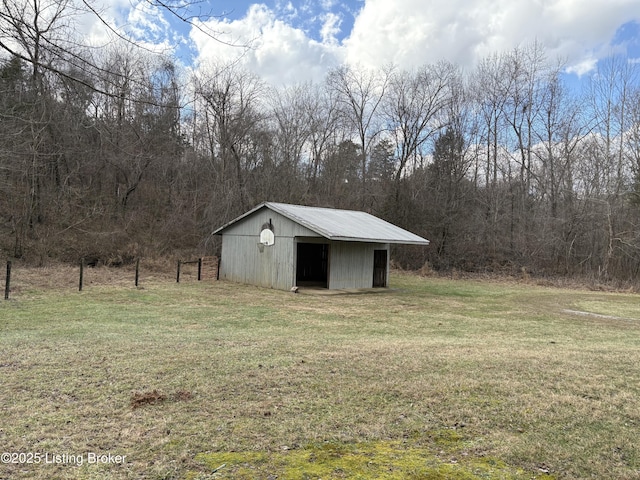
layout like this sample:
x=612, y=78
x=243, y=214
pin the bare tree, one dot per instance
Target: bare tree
x=43, y=33
x=38, y=32
x=27, y=31
x=323, y=116
x=290, y=125
x=359, y=93
x=487, y=91
x=231, y=112
x=607, y=159
x=415, y=109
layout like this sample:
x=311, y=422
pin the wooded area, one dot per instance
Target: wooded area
x=115, y=153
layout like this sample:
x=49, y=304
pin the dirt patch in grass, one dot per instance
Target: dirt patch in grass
x=154, y=397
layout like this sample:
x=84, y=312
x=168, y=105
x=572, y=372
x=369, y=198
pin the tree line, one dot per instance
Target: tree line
x=118, y=152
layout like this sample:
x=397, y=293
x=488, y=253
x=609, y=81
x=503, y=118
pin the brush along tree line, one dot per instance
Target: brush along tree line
x=117, y=153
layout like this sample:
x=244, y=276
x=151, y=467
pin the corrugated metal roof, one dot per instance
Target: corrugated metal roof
x=344, y=225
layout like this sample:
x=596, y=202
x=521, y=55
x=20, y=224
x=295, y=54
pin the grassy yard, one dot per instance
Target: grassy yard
x=433, y=378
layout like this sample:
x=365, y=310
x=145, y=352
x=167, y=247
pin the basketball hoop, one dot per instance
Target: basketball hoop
x=267, y=238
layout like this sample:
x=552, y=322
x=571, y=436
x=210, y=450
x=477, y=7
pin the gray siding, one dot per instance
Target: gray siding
x=282, y=226
x=245, y=261
x=351, y=264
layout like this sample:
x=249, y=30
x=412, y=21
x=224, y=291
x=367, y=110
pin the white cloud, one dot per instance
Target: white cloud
x=406, y=32
x=413, y=32
x=148, y=26
x=94, y=30
x=583, y=67
x=330, y=28
x=278, y=52
x=286, y=10
x=327, y=4
x=147, y=22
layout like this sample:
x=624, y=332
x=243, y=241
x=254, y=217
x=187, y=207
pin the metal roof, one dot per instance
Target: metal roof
x=344, y=225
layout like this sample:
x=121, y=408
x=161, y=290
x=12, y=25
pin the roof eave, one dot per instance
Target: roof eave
x=320, y=231
x=424, y=242
x=328, y=235
x=237, y=219
x=299, y=220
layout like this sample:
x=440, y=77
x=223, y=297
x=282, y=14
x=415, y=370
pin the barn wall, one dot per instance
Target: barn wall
x=282, y=226
x=244, y=261
x=351, y=264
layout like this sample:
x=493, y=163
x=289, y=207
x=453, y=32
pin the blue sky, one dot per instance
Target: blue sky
x=293, y=41
x=305, y=15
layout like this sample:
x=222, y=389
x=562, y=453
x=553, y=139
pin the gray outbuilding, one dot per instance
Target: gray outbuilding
x=278, y=245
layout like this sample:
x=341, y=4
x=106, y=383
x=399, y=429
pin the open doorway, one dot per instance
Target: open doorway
x=312, y=265
x=379, y=268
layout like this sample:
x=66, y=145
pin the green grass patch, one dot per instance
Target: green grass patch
x=434, y=378
x=390, y=460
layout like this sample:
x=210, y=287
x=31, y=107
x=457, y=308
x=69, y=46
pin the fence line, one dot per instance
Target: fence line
x=189, y=262
x=207, y=267
x=7, y=284
x=81, y=274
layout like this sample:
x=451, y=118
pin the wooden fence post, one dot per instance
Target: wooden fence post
x=178, y=274
x=81, y=274
x=199, y=268
x=7, y=287
x=137, y=271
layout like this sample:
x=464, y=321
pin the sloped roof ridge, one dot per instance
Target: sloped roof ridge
x=338, y=224
x=284, y=209
x=350, y=225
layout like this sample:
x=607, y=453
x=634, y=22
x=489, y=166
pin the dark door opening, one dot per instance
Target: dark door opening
x=312, y=264
x=379, y=268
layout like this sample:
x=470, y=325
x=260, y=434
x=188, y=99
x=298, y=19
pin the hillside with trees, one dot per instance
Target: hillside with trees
x=118, y=153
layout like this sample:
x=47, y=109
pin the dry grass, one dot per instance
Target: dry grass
x=433, y=378
x=65, y=277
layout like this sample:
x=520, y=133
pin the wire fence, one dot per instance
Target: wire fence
x=84, y=274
